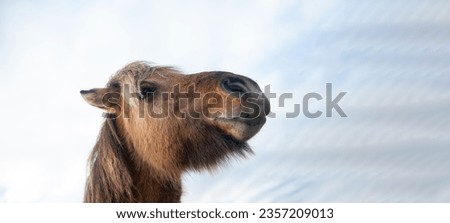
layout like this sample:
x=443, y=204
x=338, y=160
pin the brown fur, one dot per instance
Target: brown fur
x=141, y=158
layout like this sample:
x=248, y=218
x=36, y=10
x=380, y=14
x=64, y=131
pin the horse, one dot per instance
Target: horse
x=159, y=123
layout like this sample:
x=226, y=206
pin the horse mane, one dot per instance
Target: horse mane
x=109, y=177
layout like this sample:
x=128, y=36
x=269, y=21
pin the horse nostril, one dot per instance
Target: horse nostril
x=246, y=115
x=233, y=84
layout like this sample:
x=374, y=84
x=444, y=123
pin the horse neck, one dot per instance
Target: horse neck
x=117, y=176
x=151, y=186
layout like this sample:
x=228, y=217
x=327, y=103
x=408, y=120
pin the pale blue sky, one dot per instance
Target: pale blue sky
x=391, y=57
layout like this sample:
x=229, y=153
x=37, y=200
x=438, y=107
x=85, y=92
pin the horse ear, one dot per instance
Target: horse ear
x=103, y=98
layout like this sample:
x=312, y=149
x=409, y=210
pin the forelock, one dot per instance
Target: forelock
x=136, y=72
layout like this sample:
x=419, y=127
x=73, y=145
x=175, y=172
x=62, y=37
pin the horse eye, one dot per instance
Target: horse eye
x=147, y=90
x=115, y=85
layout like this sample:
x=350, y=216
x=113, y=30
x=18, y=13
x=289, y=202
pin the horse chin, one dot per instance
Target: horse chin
x=240, y=129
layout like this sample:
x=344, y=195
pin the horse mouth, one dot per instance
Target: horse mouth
x=240, y=128
x=252, y=122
